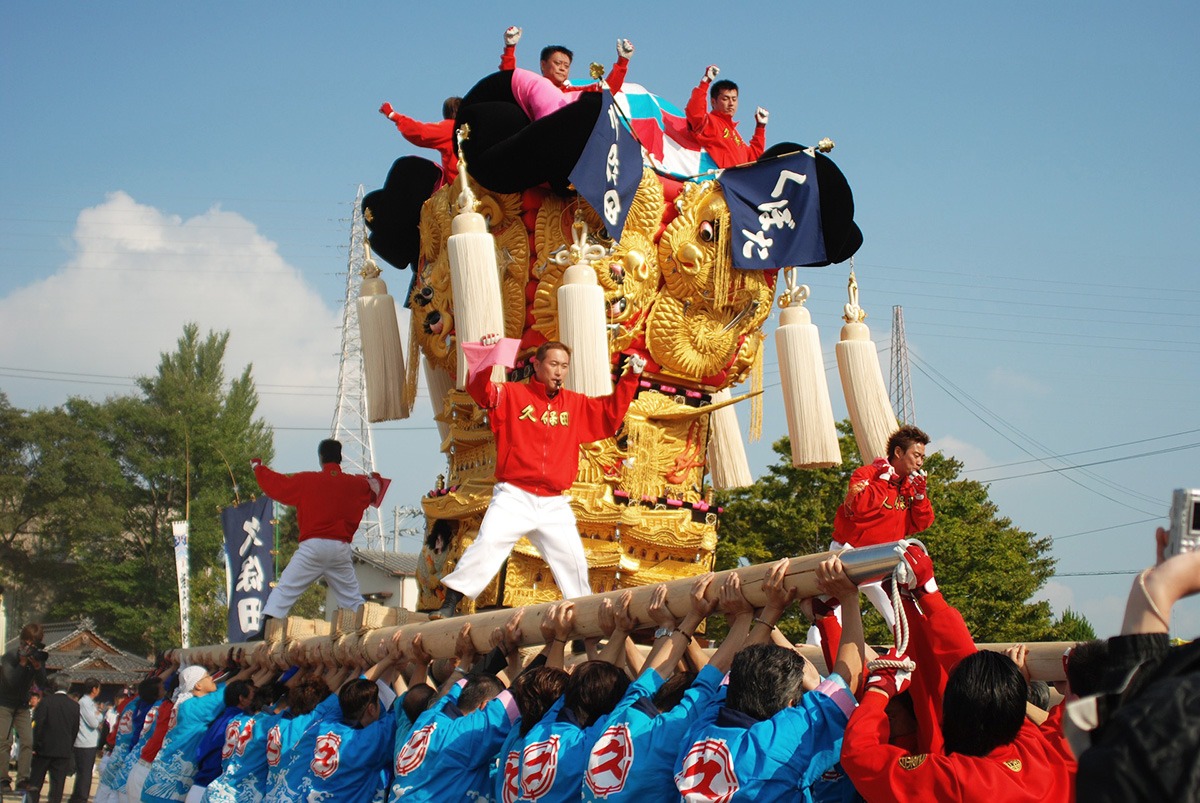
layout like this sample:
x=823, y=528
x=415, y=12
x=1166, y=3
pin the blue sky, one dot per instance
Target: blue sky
x=1025, y=176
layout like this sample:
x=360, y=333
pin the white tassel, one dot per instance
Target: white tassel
x=440, y=384
x=727, y=461
x=867, y=401
x=582, y=327
x=475, y=283
x=805, y=391
x=382, y=351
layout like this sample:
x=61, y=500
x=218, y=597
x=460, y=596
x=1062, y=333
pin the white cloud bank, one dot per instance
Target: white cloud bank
x=138, y=275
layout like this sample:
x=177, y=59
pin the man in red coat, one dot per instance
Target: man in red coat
x=970, y=707
x=555, y=63
x=329, y=507
x=886, y=502
x=438, y=136
x=716, y=130
x=539, y=427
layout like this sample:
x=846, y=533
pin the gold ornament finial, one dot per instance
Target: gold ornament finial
x=794, y=292
x=579, y=252
x=852, y=312
x=825, y=145
x=370, y=269
x=596, y=71
x=466, y=199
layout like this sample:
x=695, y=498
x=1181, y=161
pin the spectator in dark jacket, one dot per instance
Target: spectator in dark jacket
x=55, y=726
x=1147, y=744
x=20, y=668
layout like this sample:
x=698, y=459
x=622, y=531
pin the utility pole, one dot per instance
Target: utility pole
x=350, y=425
x=900, y=380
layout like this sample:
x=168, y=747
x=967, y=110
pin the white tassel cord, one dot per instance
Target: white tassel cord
x=440, y=384
x=382, y=350
x=583, y=327
x=727, y=461
x=867, y=400
x=806, y=402
x=475, y=283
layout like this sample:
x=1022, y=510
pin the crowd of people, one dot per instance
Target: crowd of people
x=931, y=719
x=710, y=108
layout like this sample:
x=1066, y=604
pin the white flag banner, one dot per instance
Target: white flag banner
x=180, y=530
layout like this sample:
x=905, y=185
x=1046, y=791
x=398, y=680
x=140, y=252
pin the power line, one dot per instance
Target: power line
x=1089, y=451
x=921, y=366
x=1105, y=529
x=1168, y=450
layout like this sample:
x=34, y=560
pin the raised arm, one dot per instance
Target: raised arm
x=681, y=635
x=739, y=613
x=779, y=597
x=508, y=59
x=602, y=416
x=697, y=105
x=1156, y=590
x=833, y=580
x=557, y=626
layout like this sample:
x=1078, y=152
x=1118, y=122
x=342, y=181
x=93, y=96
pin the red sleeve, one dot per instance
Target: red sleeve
x=758, y=142
x=484, y=391
x=280, y=487
x=508, y=59
x=831, y=638
x=161, y=726
x=424, y=135
x=938, y=640
x=601, y=417
x=880, y=771
x=870, y=498
x=920, y=517
x=697, y=108
x=616, y=76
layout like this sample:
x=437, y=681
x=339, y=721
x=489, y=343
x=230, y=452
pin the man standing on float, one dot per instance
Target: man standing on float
x=539, y=427
x=886, y=501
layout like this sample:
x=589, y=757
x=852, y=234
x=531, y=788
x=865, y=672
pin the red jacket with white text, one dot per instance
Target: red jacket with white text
x=718, y=133
x=538, y=437
x=1030, y=769
x=879, y=513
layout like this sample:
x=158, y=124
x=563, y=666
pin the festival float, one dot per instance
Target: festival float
x=602, y=229
x=602, y=223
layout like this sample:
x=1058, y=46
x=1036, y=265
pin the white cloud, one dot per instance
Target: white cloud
x=1010, y=381
x=972, y=457
x=1058, y=595
x=139, y=274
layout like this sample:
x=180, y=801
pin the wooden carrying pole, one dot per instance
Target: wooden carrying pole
x=438, y=637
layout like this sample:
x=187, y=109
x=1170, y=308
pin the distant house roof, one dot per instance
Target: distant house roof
x=397, y=564
x=78, y=652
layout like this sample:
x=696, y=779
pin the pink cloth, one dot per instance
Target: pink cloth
x=538, y=96
x=479, y=356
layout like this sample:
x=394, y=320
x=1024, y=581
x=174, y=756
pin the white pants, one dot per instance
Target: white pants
x=548, y=523
x=874, y=593
x=132, y=793
x=316, y=557
x=195, y=794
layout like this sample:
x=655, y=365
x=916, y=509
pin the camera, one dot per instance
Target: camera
x=35, y=651
x=1185, y=522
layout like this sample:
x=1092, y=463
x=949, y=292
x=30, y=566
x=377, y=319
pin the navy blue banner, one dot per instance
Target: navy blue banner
x=609, y=169
x=775, y=213
x=249, y=539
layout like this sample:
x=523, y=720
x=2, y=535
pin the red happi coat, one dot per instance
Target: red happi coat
x=538, y=437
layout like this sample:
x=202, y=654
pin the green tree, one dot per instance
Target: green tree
x=986, y=567
x=178, y=450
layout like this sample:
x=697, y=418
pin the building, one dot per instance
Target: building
x=385, y=578
x=78, y=652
